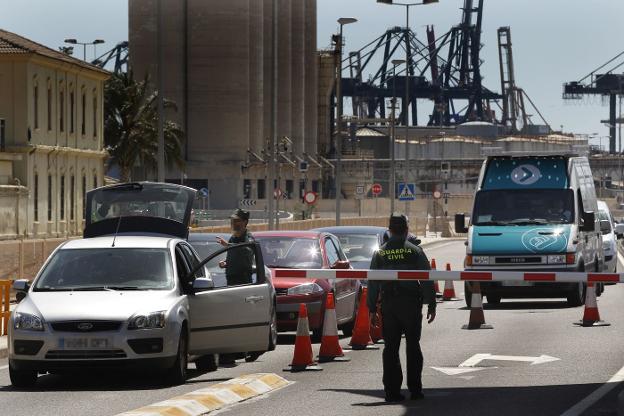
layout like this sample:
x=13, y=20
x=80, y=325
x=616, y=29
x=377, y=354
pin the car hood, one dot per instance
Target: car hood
x=515, y=239
x=104, y=305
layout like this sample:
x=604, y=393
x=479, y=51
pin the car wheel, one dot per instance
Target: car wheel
x=207, y=363
x=493, y=299
x=273, y=331
x=253, y=356
x=577, y=296
x=317, y=335
x=467, y=294
x=22, y=378
x=176, y=375
x=599, y=289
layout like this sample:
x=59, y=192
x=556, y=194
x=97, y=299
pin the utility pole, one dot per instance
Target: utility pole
x=273, y=139
x=161, y=110
x=393, y=137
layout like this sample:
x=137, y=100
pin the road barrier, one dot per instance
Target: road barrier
x=440, y=275
x=5, y=306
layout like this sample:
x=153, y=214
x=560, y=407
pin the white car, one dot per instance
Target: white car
x=126, y=298
x=609, y=239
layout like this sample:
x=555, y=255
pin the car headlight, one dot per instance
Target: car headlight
x=606, y=245
x=476, y=260
x=305, y=289
x=148, y=321
x=557, y=259
x=27, y=322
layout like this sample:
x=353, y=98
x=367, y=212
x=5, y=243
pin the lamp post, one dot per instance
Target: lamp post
x=408, y=56
x=338, y=133
x=395, y=63
x=84, y=45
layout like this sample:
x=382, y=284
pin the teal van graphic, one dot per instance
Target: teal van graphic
x=541, y=240
x=526, y=173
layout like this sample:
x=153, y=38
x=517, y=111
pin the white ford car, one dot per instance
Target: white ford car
x=134, y=294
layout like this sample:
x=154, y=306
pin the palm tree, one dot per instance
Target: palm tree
x=131, y=125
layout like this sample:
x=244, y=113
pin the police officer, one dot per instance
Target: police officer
x=238, y=263
x=401, y=309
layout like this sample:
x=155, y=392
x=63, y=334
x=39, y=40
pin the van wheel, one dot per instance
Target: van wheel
x=467, y=294
x=22, y=378
x=577, y=296
x=493, y=299
x=207, y=363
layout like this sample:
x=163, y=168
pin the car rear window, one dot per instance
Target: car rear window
x=291, y=252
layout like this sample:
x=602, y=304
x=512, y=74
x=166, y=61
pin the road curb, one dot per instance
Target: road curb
x=215, y=397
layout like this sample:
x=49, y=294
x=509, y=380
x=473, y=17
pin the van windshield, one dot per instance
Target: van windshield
x=524, y=207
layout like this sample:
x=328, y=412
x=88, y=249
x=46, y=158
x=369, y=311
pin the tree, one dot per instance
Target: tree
x=131, y=125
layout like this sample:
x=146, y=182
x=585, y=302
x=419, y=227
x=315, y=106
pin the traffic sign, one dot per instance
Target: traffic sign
x=407, y=191
x=247, y=202
x=376, y=189
x=437, y=194
x=310, y=197
x=204, y=192
x=277, y=193
x=359, y=189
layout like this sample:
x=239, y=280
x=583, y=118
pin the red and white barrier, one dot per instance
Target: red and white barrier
x=438, y=275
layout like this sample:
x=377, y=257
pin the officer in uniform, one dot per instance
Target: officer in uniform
x=401, y=307
x=238, y=263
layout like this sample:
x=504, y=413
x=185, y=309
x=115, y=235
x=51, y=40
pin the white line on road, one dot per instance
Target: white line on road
x=598, y=394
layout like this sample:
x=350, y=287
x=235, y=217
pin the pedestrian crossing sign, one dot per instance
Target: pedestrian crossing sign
x=407, y=192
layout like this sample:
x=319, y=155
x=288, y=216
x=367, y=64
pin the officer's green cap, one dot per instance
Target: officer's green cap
x=240, y=214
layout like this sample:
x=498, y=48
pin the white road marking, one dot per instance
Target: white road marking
x=453, y=371
x=596, y=395
x=477, y=358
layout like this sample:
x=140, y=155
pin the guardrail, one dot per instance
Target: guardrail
x=5, y=306
x=440, y=275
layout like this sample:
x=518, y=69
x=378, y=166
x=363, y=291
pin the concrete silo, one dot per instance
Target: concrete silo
x=311, y=80
x=298, y=71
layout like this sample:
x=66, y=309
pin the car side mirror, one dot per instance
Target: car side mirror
x=202, y=284
x=589, y=221
x=341, y=264
x=21, y=287
x=460, y=223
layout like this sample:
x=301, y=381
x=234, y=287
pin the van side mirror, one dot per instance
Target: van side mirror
x=589, y=221
x=460, y=223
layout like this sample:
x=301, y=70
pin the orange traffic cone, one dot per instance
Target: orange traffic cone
x=303, y=359
x=330, y=345
x=449, y=288
x=477, y=319
x=376, y=331
x=361, y=339
x=591, y=316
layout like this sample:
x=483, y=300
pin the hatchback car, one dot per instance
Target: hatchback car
x=358, y=242
x=134, y=293
x=309, y=250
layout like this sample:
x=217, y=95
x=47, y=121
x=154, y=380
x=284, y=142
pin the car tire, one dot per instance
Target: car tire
x=577, y=296
x=317, y=335
x=176, y=375
x=599, y=289
x=207, y=363
x=493, y=299
x=22, y=378
x=273, y=331
x=253, y=356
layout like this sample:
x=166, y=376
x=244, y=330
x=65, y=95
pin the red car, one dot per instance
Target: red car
x=309, y=250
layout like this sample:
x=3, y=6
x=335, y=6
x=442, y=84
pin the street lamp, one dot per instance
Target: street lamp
x=339, y=43
x=395, y=63
x=407, y=77
x=84, y=45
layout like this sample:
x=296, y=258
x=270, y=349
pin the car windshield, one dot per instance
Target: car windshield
x=524, y=207
x=107, y=269
x=291, y=252
x=359, y=247
x=605, y=222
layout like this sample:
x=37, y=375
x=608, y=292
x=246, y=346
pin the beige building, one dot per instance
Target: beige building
x=51, y=127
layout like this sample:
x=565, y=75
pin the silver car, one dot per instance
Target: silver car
x=134, y=294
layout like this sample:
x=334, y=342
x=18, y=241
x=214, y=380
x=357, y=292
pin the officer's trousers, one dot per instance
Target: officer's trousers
x=401, y=315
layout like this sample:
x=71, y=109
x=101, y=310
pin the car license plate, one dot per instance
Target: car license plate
x=517, y=283
x=84, y=343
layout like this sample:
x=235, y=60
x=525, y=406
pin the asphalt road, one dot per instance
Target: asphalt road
x=508, y=383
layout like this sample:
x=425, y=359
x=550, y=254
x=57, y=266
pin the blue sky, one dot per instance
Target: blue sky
x=554, y=40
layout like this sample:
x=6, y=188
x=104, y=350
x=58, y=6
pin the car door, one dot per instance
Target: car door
x=341, y=286
x=352, y=286
x=232, y=317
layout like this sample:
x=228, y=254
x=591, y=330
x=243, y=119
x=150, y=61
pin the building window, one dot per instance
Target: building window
x=49, y=197
x=49, y=106
x=62, y=110
x=36, y=104
x=83, y=126
x=94, y=181
x=84, y=196
x=36, y=197
x=62, y=196
x=315, y=186
x=95, y=106
x=261, y=189
x=72, y=126
x=247, y=188
x=72, y=197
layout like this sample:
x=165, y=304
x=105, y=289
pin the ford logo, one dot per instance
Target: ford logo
x=85, y=326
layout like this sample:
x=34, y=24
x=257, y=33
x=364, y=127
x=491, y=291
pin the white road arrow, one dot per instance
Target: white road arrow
x=453, y=371
x=477, y=358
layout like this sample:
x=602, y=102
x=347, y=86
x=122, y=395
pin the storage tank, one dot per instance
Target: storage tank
x=311, y=79
x=284, y=58
x=298, y=70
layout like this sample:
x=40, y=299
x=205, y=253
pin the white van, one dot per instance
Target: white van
x=609, y=239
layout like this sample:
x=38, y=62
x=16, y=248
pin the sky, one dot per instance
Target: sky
x=554, y=41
